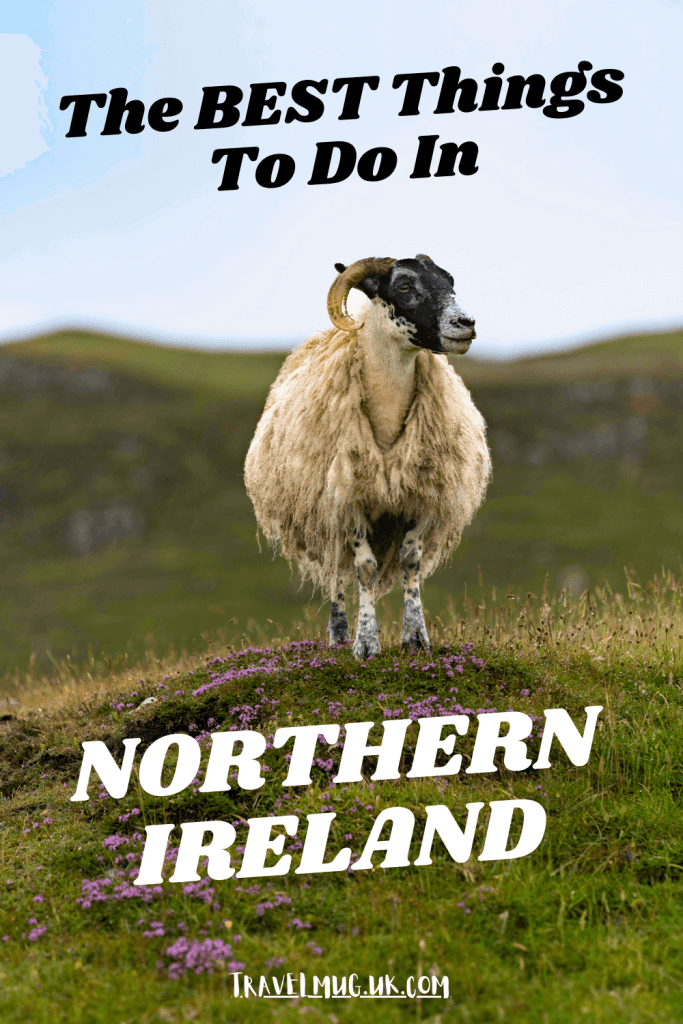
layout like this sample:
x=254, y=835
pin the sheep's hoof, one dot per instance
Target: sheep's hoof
x=415, y=637
x=364, y=646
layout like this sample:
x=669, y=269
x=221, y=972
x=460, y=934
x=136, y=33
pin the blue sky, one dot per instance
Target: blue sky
x=571, y=228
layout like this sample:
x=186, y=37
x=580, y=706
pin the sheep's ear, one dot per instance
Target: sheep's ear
x=340, y=268
x=369, y=286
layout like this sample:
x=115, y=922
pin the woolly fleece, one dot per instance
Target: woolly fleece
x=314, y=469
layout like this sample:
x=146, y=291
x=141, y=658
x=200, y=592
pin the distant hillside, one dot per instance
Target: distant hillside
x=243, y=374
x=224, y=374
x=654, y=355
x=124, y=522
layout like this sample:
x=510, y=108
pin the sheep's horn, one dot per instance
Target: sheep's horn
x=348, y=279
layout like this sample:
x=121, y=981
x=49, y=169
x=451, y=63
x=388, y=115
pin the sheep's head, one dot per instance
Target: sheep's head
x=418, y=295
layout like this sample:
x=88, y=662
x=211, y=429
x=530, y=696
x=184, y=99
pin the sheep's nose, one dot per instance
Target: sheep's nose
x=464, y=321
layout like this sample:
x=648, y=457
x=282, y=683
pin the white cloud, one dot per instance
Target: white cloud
x=23, y=114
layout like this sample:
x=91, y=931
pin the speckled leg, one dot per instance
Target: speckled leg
x=367, y=640
x=414, y=632
x=338, y=627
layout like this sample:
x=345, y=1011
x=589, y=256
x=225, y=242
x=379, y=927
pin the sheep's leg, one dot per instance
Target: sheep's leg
x=367, y=640
x=414, y=632
x=338, y=627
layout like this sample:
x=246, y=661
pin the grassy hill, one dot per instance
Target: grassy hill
x=124, y=529
x=586, y=927
x=124, y=525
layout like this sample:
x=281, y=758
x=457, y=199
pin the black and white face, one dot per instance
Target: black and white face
x=420, y=299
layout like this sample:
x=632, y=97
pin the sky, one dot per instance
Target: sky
x=569, y=230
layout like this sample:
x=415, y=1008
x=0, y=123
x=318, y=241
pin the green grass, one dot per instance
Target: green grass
x=586, y=928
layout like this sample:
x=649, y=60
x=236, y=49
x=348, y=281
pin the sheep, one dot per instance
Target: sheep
x=370, y=457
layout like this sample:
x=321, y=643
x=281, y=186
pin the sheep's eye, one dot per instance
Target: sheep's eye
x=404, y=288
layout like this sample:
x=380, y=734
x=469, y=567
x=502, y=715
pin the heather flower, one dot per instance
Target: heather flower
x=156, y=929
x=113, y=842
x=201, y=890
x=199, y=957
x=133, y=812
x=278, y=901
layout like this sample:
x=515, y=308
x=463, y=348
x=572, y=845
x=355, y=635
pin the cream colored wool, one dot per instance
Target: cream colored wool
x=314, y=468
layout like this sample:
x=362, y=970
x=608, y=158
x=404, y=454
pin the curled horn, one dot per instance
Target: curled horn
x=348, y=279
